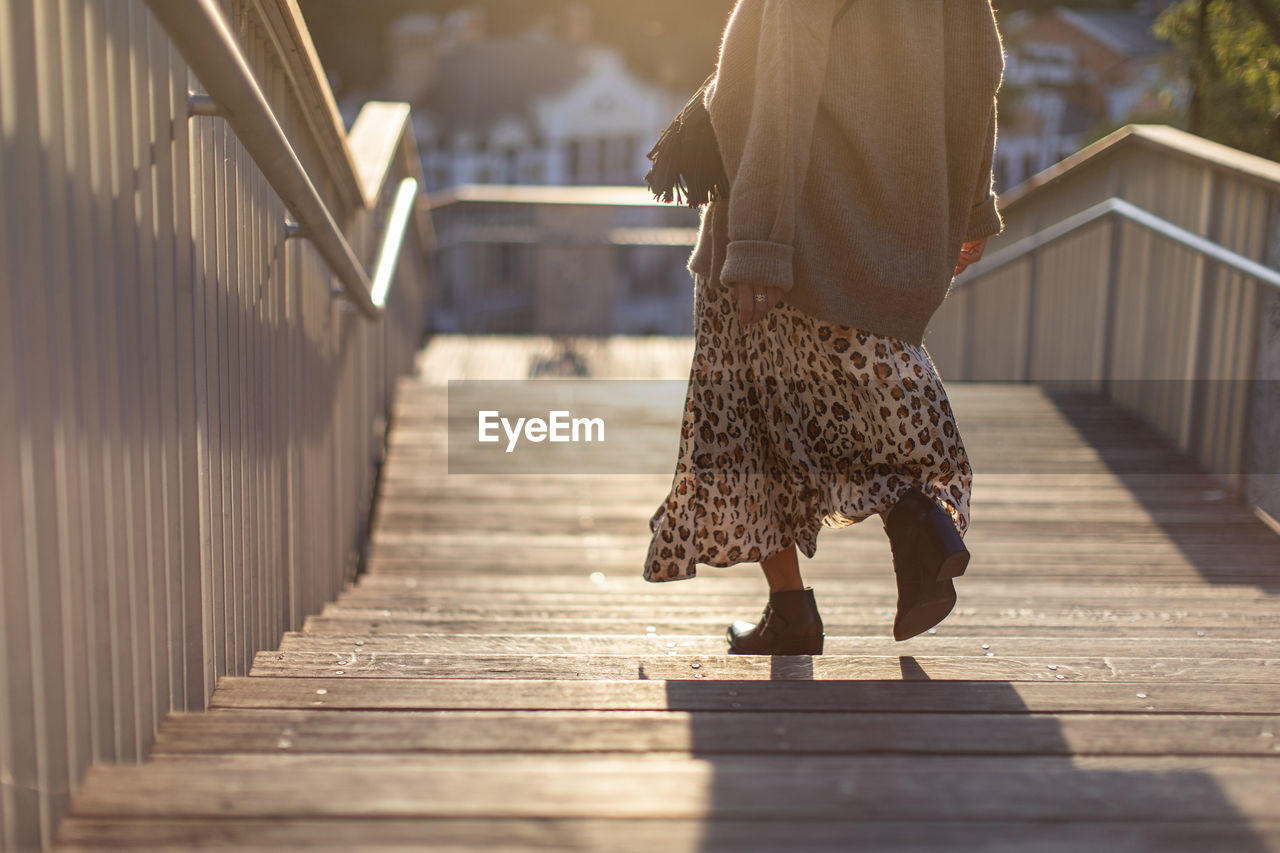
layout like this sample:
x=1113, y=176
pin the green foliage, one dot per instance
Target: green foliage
x=1238, y=71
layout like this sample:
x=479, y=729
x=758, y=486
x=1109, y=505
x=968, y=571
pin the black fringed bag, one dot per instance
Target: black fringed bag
x=686, y=159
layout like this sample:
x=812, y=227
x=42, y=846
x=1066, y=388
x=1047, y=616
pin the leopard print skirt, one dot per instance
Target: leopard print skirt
x=795, y=425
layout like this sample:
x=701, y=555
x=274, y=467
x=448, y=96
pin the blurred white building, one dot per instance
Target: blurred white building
x=548, y=107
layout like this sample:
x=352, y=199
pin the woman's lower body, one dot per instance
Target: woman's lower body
x=793, y=424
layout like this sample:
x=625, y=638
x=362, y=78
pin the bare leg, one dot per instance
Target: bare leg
x=782, y=570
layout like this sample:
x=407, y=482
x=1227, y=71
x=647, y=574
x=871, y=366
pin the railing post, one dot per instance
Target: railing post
x=1260, y=465
x=1202, y=328
x=1110, y=289
x=968, y=325
x=1029, y=315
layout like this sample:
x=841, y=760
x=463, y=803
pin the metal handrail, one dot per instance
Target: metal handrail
x=209, y=47
x=1132, y=213
x=389, y=254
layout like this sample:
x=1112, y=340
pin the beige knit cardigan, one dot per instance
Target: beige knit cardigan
x=859, y=155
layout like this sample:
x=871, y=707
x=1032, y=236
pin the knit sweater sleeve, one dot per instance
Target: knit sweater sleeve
x=775, y=126
x=984, y=218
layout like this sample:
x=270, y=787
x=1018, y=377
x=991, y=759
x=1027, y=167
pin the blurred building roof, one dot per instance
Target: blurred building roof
x=481, y=84
x=1127, y=33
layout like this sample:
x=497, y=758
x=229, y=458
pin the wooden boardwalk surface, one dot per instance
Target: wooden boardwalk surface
x=502, y=677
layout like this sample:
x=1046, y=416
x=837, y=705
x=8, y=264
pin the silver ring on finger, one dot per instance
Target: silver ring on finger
x=760, y=297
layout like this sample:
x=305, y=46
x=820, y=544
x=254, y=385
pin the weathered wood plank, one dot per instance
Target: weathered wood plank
x=997, y=489
x=499, y=587
x=498, y=644
x=747, y=667
x=1227, y=567
x=834, y=617
x=605, y=514
x=881, y=787
x=386, y=625
x=714, y=732
x=749, y=593
x=995, y=537
x=721, y=695
x=405, y=835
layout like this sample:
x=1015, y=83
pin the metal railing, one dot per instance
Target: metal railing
x=190, y=423
x=201, y=34
x=1143, y=268
x=1125, y=210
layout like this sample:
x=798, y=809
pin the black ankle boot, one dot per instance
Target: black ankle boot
x=790, y=626
x=927, y=553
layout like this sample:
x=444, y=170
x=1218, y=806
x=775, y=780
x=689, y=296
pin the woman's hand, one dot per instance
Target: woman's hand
x=751, y=310
x=970, y=254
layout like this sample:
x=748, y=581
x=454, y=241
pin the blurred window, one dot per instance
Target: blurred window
x=575, y=161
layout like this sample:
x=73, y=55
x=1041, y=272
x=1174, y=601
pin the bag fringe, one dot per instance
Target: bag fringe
x=687, y=166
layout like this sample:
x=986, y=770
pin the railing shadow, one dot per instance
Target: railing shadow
x=1228, y=545
x=799, y=763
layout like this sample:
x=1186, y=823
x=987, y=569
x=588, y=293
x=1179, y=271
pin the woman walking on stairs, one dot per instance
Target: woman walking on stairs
x=857, y=139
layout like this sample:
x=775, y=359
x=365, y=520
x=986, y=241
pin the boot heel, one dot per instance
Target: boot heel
x=941, y=546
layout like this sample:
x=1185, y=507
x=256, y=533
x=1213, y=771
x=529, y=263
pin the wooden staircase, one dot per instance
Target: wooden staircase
x=502, y=677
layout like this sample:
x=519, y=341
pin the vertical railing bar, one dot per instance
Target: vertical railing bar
x=275, y=498
x=247, y=524
x=142, y=591
x=147, y=374
x=107, y=472
x=220, y=406
x=165, y=332
x=259, y=285
x=28, y=764
x=1199, y=355
x=1110, y=296
x=263, y=284
x=68, y=671
x=1141, y=286
x=1248, y=354
x=1027, y=336
x=1246, y=462
x=1228, y=457
x=250, y=284
x=1226, y=332
x=52, y=512
x=241, y=625
x=12, y=812
x=189, y=386
x=123, y=244
x=1238, y=339
x=266, y=568
x=968, y=325
x=94, y=664
x=291, y=323
x=203, y=320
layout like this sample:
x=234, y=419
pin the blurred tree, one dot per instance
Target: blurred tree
x=1230, y=51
